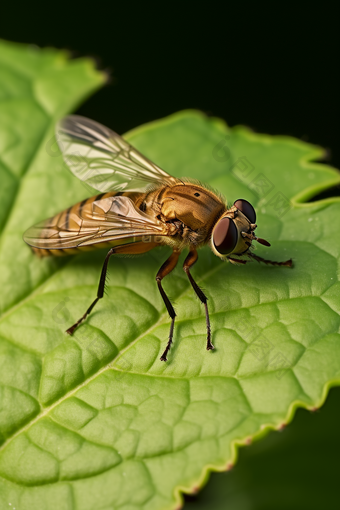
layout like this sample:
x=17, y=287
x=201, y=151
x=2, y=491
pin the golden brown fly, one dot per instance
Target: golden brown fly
x=139, y=208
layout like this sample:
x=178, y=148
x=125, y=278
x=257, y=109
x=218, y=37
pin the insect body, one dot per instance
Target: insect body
x=141, y=207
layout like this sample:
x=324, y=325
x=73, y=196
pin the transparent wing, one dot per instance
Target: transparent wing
x=103, y=159
x=107, y=220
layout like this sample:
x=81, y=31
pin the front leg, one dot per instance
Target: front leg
x=287, y=263
x=188, y=263
x=237, y=261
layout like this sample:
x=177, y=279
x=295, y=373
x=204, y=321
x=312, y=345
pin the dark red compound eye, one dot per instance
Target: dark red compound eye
x=225, y=236
x=247, y=209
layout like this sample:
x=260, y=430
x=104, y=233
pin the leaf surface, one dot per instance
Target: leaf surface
x=279, y=471
x=96, y=421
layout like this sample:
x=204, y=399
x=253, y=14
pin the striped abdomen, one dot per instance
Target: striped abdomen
x=97, y=222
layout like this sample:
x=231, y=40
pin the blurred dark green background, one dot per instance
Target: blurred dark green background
x=274, y=68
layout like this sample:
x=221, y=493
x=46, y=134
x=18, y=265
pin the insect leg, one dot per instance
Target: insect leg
x=288, y=263
x=166, y=268
x=188, y=263
x=100, y=293
x=237, y=261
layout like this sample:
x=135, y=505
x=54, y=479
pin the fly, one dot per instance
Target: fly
x=139, y=208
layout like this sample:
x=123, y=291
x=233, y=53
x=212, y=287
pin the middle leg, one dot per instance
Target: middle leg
x=166, y=268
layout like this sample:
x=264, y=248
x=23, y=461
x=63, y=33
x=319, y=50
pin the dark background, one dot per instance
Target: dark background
x=273, y=68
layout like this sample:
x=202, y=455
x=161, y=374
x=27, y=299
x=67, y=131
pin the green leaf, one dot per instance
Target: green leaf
x=280, y=471
x=96, y=421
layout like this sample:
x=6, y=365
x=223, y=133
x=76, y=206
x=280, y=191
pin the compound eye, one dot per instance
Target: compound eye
x=247, y=209
x=225, y=236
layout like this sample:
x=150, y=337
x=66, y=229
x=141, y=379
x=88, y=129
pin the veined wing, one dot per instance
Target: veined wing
x=103, y=159
x=103, y=219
